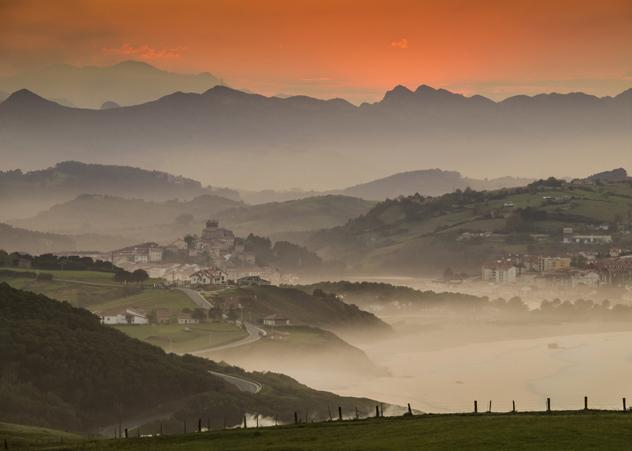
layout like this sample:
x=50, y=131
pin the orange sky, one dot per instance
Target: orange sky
x=354, y=49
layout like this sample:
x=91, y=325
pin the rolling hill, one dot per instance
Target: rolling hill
x=236, y=138
x=66, y=370
x=461, y=230
x=167, y=220
x=27, y=193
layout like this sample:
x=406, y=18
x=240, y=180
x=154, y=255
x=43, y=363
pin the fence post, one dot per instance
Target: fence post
x=199, y=424
x=184, y=422
x=295, y=418
x=585, y=402
x=357, y=414
x=624, y=406
x=475, y=406
x=377, y=411
x=410, y=411
x=339, y=413
x=245, y=424
x=548, y=404
x=490, y=406
x=126, y=436
x=6, y=444
x=513, y=406
x=208, y=424
x=161, y=429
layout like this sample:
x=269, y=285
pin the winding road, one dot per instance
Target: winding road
x=242, y=384
x=196, y=297
x=254, y=334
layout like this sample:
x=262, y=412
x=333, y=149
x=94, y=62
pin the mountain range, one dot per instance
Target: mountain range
x=125, y=83
x=234, y=138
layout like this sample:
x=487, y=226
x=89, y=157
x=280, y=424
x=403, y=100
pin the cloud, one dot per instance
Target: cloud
x=400, y=44
x=146, y=52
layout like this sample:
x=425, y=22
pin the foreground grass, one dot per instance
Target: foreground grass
x=528, y=431
x=25, y=437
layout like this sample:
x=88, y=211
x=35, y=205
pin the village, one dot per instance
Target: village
x=591, y=261
x=200, y=267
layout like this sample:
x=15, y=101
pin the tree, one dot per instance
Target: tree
x=140, y=275
x=189, y=240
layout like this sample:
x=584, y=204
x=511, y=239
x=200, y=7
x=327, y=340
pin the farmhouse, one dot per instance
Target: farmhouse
x=208, y=277
x=125, y=316
x=275, y=320
x=186, y=318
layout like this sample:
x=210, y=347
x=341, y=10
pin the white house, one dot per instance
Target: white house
x=208, y=277
x=275, y=320
x=186, y=318
x=126, y=316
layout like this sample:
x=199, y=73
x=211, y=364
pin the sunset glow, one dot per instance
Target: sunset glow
x=337, y=48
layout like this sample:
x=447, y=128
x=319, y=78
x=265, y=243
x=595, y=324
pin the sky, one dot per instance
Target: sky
x=324, y=48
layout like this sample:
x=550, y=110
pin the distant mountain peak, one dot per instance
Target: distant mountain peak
x=26, y=98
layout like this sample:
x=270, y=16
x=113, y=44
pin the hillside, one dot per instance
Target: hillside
x=301, y=308
x=302, y=352
x=168, y=220
x=427, y=182
x=27, y=193
x=99, y=213
x=13, y=239
x=461, y=230
x=283, y=219
x=126, y=83
x=236, y=138
x=68, y=371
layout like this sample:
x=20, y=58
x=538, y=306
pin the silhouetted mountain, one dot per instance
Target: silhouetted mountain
x=240, y=139
x=427, y=182
x=25, y=193
x=126, y=83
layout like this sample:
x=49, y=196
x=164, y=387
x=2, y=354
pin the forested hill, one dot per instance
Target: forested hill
x=461, y=230
x=63, y=369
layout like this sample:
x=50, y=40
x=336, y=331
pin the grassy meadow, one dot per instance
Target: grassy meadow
x=528, y=431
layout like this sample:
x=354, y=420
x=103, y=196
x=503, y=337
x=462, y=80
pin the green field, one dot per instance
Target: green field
x=556, y=431
x=28, y=437
x=101, y=298
x=180, y=339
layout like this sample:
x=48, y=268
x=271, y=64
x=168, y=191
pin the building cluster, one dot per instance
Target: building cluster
x=149, y=252
x=216, y=276
x=560, y=271
x=135, y=316
x=219, y=247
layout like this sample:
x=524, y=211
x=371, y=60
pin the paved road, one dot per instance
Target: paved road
x=254, y=334
x=196, y=297
x=242, y=384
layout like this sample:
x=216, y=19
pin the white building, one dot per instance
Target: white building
x=186, y=318
x=209, y=277
x=588, y=279
x=587, y=239
x=499, y=272
x=275, y=320
x=126, y=316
